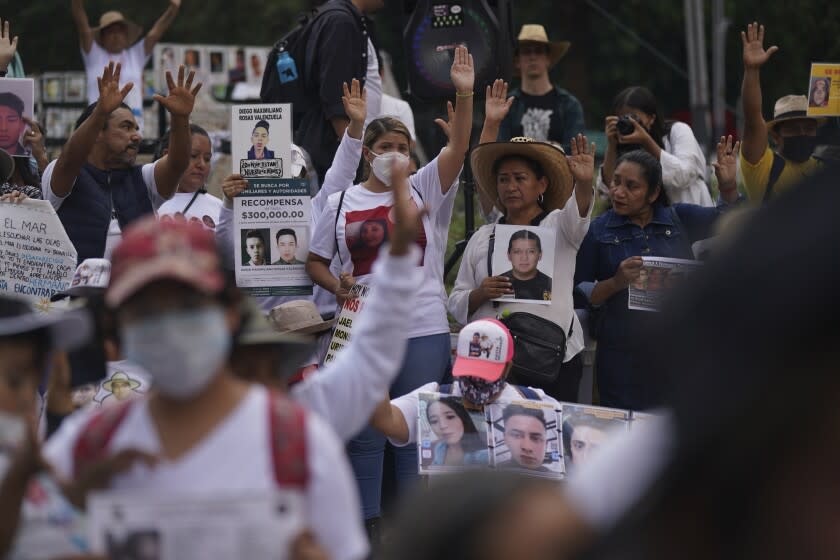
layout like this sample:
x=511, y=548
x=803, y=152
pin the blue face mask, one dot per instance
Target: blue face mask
x=478, y=391
x=182, y=350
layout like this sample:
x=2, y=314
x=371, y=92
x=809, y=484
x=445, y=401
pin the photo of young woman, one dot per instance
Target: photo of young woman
x=454, y=440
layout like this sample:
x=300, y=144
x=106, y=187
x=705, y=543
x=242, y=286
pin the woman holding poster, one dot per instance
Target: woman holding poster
x=353, y=226
x=537, y=188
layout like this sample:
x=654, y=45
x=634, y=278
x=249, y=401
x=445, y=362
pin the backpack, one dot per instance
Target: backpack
x=287, y=428
x=526, y=392
x=286, y=82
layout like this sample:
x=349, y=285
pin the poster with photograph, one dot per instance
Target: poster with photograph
x=587, y=428
x=658, y=277
x=639, y=418
x=525, y=437
x=261, y=141
x=37, y=259
x=824, y=90
x=525, y=255
x=75, y=87
x=255, y=58
x=353, y=305
x=450, y=437
x=52, y=88
x=163, y=526
x=271, y=219
x=124, y=381
x=17, y=101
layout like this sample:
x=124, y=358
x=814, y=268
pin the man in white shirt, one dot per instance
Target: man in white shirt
x=118, y=40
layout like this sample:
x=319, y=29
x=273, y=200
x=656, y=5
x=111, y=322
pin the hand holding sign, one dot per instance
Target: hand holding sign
x=628, y=270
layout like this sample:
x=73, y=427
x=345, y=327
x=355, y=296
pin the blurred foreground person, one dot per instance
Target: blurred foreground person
x=747, y=466
x=487, y=516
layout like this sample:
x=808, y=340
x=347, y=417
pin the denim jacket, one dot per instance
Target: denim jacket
x=613, y=238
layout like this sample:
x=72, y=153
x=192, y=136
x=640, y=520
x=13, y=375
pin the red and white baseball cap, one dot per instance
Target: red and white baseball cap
x=151, y=250
x=485, y=348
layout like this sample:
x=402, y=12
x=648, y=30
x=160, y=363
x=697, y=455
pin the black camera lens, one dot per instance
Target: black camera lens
x=625, y=125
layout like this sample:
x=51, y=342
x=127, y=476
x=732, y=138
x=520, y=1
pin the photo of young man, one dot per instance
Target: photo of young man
x=286, y=242
x=256, y=248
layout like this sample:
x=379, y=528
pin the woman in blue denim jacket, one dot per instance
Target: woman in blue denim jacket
x=641, y=223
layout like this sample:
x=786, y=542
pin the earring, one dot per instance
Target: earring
x=541, y=198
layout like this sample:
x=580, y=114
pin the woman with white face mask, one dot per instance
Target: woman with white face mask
x=355, y=223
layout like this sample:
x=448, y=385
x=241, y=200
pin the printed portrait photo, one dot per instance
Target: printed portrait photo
x=192, y=58
x=255, y=247
x=525, y=438
x=217, y=62
x=586, y=429
x=450, y=436
x=259, y=141
x=525, y=255
x=819, y=92
x=290, y=245
x=17, y=100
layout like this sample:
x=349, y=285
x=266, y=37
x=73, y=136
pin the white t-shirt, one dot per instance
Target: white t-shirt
x=399, y=109
x=362, y=227
x=408, y=404
x=133, y=59
x=235, y=457
x=373, y=84
x=114, y=231
x=205, y=210
x=571, y=229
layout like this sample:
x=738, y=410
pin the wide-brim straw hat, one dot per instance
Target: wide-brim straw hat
x=551, y=158
x=791, y=107
x=535, y=33
x=258, y=331
x=133, y=30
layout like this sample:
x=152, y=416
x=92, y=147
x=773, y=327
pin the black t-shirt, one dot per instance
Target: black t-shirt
x=540, y=119
x=538, y=287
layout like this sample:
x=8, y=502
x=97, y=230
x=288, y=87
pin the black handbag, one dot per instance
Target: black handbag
x=539, y=348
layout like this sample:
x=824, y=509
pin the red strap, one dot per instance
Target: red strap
x=92, y=443
x=287, y=421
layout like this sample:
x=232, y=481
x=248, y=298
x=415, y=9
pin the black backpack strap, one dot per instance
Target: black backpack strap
x=775, y=172
x=335, y=226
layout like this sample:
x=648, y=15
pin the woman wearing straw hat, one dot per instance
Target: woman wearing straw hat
x=534, y=184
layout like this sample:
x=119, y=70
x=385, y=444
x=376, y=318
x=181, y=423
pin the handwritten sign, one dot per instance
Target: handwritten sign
x=37, y=259
x=261, y=141
x=344, y=324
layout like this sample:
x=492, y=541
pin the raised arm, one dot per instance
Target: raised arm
x=160, y=26
x=8, y=46
x=582, y=166
x=82, y=25
x=179, y=103
x=451, y=159
x=755, y=129
x=78, y=146
x=726, y=169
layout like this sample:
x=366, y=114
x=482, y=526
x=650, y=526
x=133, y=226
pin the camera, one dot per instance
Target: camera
x=625, y=125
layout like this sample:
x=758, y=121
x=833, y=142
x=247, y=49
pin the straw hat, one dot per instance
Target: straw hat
x=552, y=160
x=299, y=317
x=133, y=30
x=788, y=108
x=535, y=33
x=257, y=331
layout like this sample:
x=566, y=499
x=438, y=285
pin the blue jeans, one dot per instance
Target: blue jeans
x=427, y=360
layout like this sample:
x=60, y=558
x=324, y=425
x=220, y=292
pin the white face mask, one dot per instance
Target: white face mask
x=382, y=165
x=181, y=350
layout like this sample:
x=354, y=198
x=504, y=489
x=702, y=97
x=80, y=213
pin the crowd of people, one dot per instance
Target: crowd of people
x=210, y=392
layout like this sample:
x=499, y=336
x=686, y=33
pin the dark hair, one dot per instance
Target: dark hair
x=381, y=221
x=285, y=231
x=89, y=111
x=261, y=124
x=641, y=98
x=524, y=234
x=519, y=410
x=27, y=175
x=375, y=130
x=571, y=422
x=163, y=143
x=534, y=165
x=826, y=81
x=39, y=339
x=470, y=441
x=12, y=101
x=652, y=171
x=256, y=234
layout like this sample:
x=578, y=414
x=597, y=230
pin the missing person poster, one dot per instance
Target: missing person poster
x=824, y=90
x=451, y=438
x=219, y=527
x=524, y=255
x=586, y=429
x=271, y=221
x=17, y=102
x=261, y=141
x=658, y=277
x=37, y=259
x=526, y=438
x=348, y=315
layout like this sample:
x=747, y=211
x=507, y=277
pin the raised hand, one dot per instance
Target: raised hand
x=446, y=125
x=582, y=160
x=462, y=72
x=408, y=217
x=497, y=103
x=8, y=45
x=355, y=101
x=754, y=54
x=727, y=163
x=181, y=98
x=110, y=94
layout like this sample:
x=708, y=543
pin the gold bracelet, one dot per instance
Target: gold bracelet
x=468, y=94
